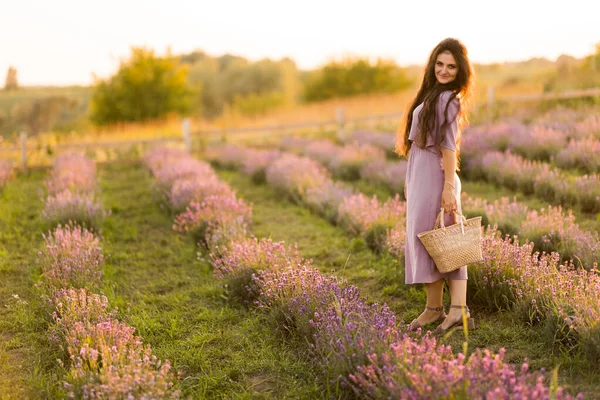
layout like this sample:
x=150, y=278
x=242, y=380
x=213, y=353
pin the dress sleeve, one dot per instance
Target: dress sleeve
x=450, y=131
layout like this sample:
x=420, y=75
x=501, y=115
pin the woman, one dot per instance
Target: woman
x=430, y=139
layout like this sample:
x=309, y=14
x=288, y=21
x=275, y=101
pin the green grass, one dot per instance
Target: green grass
x=28, y=366
x=166, y=290
x=380, y=278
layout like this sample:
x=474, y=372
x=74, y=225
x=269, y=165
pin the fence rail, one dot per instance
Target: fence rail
x=340, y=124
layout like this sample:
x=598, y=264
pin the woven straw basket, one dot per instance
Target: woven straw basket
x=454, y=246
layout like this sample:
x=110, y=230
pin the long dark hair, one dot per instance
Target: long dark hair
x=429, y=92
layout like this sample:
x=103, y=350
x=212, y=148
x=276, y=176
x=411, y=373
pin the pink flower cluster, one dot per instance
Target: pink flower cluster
x=506, y=214
x=535, y=177
x=373, y=220
x=7, y=172
x=208, y=208
x=200, y=217
x=349, y=161
x=323, y=151
x=72, y=171
x=345, y=162
x=295, y=175
x=383, y=140
x=564, y=298
x=423, y=370
x=553, y=230
x=71, y=257
x=68, y=206
x=538, y=143
x=246, y=257
x=325, y=200
x=390, y=174
x=589, y=126
x=181, y=168
x=252, y=162
x=581, y=154
x=194, y=188
x=227, y=156
x=255, y=163
x=104, y=358
x=294, y=144
x=157, y=158
x=586, y=191
x=71, y=188
x=482, y=138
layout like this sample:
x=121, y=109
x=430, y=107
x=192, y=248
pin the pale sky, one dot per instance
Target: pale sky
x=58, y=42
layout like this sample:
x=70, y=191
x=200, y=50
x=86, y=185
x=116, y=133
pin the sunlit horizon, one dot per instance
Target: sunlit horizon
x=67, y=42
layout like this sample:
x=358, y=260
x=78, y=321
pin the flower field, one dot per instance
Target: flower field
x=252, y=272
x=345, y=334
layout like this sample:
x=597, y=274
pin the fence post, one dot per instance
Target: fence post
x=491, y=103
x=187, y=138
x=23, y=140
x=340, y=123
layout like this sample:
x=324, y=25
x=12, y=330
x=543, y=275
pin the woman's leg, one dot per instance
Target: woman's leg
x=435, y=293
x=458, y=297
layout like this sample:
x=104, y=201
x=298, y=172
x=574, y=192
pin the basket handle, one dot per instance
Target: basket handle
x=440, y=220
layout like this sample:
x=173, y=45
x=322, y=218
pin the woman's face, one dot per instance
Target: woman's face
x=445, y=68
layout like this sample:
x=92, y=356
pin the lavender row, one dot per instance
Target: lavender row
x=71, y=189
x=550, y=229
x=568, y=145
x=308, y=182
x=535, y=177
x=569, y=139
x=104, y=357
x=382, y=226
x=355, y=160
x=204, y=206
x=357, y=344
x=478, y=163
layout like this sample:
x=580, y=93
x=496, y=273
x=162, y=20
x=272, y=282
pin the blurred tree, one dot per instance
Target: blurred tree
x=351, y=77
x=233, y=83
x=146, y=87
x=41, y=114
x=591, y=63
x=573, y=73
x=11, y=82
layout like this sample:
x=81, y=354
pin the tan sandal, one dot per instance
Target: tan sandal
x=458, y=323
x=415, y=324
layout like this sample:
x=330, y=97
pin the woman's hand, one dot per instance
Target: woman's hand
x=449, y=202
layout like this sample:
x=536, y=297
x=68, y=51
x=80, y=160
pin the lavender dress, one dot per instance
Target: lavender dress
x=424, y=185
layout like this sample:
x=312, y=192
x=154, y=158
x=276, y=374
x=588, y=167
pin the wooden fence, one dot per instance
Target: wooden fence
x=340, y=124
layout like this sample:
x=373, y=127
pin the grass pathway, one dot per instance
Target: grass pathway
x=381, y=279
x=28, y=366
x=164, y=289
